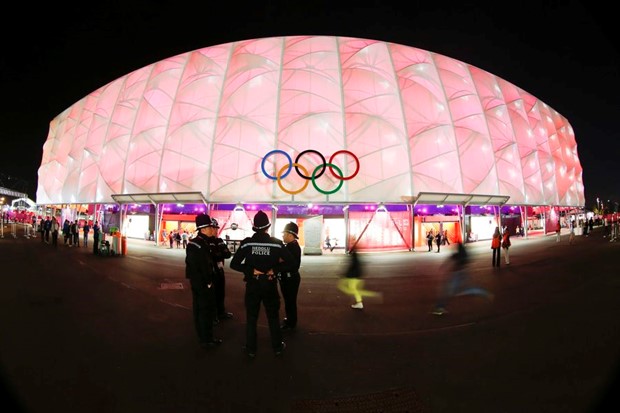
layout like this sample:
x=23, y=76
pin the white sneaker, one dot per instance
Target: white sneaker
x=358, y=306
x=439, y=311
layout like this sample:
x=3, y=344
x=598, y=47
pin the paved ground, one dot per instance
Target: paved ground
x=114, y=334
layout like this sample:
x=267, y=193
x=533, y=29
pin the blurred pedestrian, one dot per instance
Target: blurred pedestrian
x=75, y=233
x=571, y=236
x=429, y=240
x=47, y=228
x=177, y=239
x=445, y=239
x=506, y=245
x=558, y=231
x=496, y=242
x=85, y=232
x=184, y=238
x=438, y=240
x=96, y=230
x=457, y=283
x=199, y=271
x=290, y=280
x=55, y=229
x=352, y=282
x=260, y=257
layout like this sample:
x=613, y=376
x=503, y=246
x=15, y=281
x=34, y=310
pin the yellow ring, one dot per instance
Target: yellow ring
x=279, y=179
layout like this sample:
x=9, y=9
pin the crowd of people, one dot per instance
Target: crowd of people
x=439, y=237
x=50, y=229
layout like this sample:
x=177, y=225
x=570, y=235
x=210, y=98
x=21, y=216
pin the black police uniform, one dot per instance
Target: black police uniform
x=219, y=253
x=258, y=258
x=289, y=285
x=199, y=271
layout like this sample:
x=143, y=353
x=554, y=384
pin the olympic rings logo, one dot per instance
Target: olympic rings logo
x=303, y=172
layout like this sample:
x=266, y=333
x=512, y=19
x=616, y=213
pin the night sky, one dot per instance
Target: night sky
x=559, y=51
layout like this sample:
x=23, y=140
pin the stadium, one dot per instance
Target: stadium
x=364, y=142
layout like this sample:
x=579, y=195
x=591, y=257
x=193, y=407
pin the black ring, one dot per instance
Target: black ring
x=305, y=152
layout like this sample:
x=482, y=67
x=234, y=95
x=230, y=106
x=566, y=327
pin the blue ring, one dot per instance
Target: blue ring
x=290, y=164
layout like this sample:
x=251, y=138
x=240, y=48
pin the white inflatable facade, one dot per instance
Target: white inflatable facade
x=231, y=121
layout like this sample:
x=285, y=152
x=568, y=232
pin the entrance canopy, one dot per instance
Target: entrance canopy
x=163, y=198
x=434, y=198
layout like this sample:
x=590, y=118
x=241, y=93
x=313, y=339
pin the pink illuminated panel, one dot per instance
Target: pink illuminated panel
x=416, y=120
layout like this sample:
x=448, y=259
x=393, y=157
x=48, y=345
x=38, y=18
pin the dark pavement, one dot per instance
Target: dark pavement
x=85, y=333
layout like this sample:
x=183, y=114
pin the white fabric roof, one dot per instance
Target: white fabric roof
x=203, y=121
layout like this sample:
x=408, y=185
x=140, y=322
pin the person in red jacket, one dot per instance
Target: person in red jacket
x=496, y=242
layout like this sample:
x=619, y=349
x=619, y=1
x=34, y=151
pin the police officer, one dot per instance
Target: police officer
x=219, y=253
x=290, y=280
x=260, y=257
x=199, y=270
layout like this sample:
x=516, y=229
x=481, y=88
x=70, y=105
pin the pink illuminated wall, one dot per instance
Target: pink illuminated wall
x=204, y=120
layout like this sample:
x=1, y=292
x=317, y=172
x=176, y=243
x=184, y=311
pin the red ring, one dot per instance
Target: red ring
x=357, y=161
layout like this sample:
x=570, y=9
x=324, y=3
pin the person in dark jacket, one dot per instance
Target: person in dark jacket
x=260, y=257
x=457, y=282
x=352, y=282
x=219, y=253
x=290, y=280
x=199, y=271
x=96, y=230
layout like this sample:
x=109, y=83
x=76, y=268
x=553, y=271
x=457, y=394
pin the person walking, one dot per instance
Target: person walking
x=171, y=237
x=506, y=245
x=219, y=253
x=96, y=230
x=75, y=233
x=457, y=283
x=185, y=238
x=445, y=237
x=571, y=236
x=66, y=232
x=86, y=231
x=290, y=280
x=429, y=240
x=353, y=284
x=199, y=270
x=495, y=246
x=55, y=229
x=47, y=228
x=558, y=231
x=438, y=240
x=260, y=257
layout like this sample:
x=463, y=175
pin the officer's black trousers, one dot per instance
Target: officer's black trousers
x=263, y=290
x=203, y=309
x=290, y=288
x=220, y=292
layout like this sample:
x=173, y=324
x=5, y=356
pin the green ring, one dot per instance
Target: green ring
x=323, y=166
